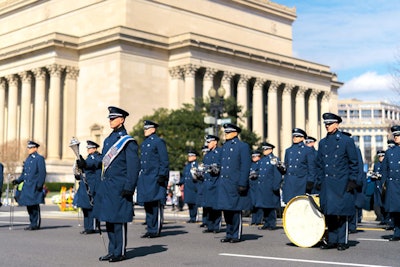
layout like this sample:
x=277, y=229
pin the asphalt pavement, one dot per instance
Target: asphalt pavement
x=59, y=243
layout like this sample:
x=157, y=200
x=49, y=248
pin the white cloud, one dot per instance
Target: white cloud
x=370, y=86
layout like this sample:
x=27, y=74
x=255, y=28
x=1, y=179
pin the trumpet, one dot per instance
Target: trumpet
x=198, y=172
x=374, y=175
x=279, y=164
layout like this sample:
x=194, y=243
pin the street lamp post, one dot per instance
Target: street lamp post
x=216, y=104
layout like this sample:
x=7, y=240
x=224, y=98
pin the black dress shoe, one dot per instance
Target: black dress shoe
x=342, y=247
x=31, y=228
x=389, y=228
x=203, y=225
x=106, y=257
x=226, y=240
x=190, y=221
x=216, y=231
x=117, y=258
x=263, y=227
x=235, y=240
x=328, y=246
x=152, y=235
x=146, y=235
x=207, y=231
x=352, y=231
x=394, y=238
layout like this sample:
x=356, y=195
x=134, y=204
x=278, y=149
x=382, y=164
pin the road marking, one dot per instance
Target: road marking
x=373, y=239
x=300, y=260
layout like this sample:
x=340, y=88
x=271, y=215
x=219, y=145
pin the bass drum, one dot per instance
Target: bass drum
x=303, y=222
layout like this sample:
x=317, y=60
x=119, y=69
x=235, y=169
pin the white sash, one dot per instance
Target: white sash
x=113, y=152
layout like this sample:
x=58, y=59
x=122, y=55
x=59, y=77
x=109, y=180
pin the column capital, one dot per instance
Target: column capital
x=3, y=83
x=189, y=69
x=314, y=93
x=244, y=79
x=288, y=88
x=326, y=96
x=40, y=73
x=55, y=69
x=176, y=72
x=301, y=91
x=209, y=74
x=72, y=72
x=26, y=76
x=12, y=79
x=227, y=76
x=273, y=87
x=259, y=83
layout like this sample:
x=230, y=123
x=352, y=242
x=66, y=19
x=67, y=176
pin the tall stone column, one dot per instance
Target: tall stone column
x=242, y=96
x=39, y=125
x=70, y=110
x=258, y=108
x=208, y=81
x=273, y=126
x=226, y=83
x=176, y=76
x=26, y=113
x=286, y=127
x=3, y=127
x=190, y=79
x=12, y=121
x=54, y=138
x=301, y=108
x=324, y=109
x=313, y=114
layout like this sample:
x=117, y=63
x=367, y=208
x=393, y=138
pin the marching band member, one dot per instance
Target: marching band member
x=256, y=213
x=233, y=182
x=33, y=177
x=153, y=178
x=391, y=177
x=85, y=195
x=337, y=173
x=120, y=173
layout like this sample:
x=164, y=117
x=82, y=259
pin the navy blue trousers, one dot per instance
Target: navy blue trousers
x=154, y=216
x=34, y=215
x=233, y=220
x=337, y=229
x=117, y=238
x=89, y=222
x=269, y=217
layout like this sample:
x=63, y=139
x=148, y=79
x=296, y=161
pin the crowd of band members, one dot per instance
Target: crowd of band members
x=229, y=180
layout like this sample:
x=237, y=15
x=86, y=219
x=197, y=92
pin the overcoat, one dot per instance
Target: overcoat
x=391, y=177
x=190, y=187
x=337, y=164
x=210, y=182
x=268, y=184
x=300, y=169
x=121, y=174
x=154, y=164
x=235, y=168
x=93, y=176
x=33, y=176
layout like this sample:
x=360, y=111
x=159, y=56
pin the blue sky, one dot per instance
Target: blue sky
x=358, y=39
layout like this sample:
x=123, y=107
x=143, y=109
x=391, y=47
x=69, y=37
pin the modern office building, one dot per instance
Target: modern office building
x=369, y=122
x=63, y=62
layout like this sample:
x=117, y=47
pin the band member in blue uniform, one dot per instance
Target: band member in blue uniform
x=300, y=163
x=121, y=167
x=85, y=195
x=268, y=189
x=153, y=178
x=190, y=185
x=376, y=181
x=233, y=183
x=33, y=177
x=256, y=213
x=337, y=172
x=391, y=177
x=212, y=158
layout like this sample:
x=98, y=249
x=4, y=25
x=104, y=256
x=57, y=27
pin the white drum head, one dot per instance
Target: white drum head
x=304, y=225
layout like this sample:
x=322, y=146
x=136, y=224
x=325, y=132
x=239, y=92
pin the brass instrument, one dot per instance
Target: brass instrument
x=374, y=175
x=279, y=164
x=198, y=172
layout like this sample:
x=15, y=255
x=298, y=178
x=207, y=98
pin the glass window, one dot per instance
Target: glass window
x=354, y=113
x=366, y=113
x=377, y=113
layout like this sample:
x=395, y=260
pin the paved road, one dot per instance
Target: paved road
x=59, y=243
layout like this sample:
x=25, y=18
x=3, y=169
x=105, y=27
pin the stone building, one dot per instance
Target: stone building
x=369, y=122
x=63, y=62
